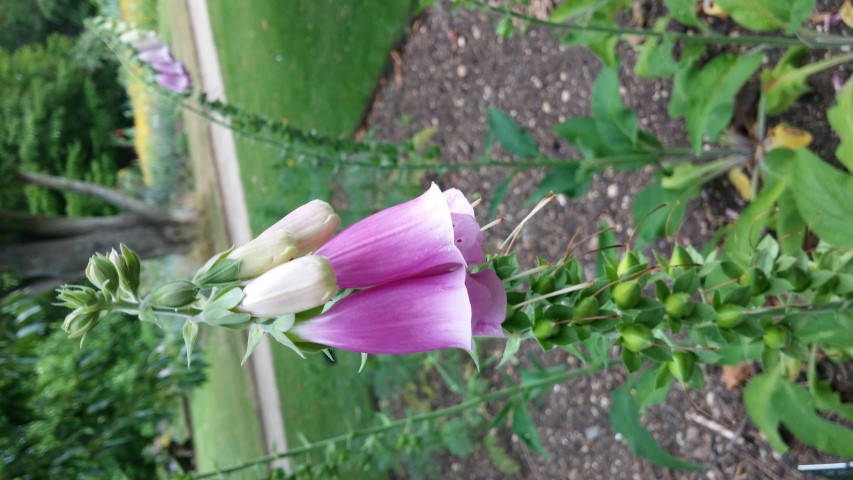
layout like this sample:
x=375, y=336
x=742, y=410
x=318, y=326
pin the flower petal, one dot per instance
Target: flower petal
x=411, y=239
x=311, y=225
x=457, y=202
x=413, y=315
x=488, y=303
x=170, y=68
x=468, y=238
x=155, y=55
x=175, y=83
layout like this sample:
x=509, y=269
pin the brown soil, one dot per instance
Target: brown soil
x=452, y=68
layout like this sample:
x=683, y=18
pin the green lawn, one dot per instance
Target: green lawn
x=313, y=63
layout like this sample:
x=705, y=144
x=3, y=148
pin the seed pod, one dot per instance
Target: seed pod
x=174, y=295
x=757, y=281
x=586, y=308
x=729, y=316
x=626, y=294
x=678, y=305
x=628, y=261
x=682, y=365
x=776, y=336
x=680, y=258
x=636, y=337
x=545, y=330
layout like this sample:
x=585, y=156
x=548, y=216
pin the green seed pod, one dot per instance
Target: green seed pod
x=680, y=258
x=729, y=316
x=626, y=294
x=757, y=281
x=544, y=284
x=545, y=330
x=678, y=305
x=682, y=365
x=636, y=337
x=586, y=308
x=628, y=261
x=776, y=336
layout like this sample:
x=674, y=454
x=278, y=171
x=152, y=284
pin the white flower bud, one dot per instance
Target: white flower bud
x=296, y=286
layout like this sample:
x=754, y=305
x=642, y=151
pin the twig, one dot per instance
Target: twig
x=711, y=425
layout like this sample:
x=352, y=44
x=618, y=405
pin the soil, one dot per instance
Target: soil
x=449, y=70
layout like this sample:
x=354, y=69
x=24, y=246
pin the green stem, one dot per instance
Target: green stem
x=816, y=41
x=807, y=309
x=803, y=73
x=443, y=412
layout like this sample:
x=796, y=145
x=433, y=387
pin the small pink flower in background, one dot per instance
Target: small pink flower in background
x=161, y=54
x=175, y=83
x=170, y=73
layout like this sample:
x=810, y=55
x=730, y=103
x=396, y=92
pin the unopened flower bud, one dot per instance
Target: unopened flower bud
x=80, y=322
x=311, y=225
x=174, y=295
x=264, y=253
x=296, y=286
x=102, y=273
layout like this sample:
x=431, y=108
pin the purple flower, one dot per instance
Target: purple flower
x=169, y=68
x=416, y=238
x=175, y=83
x=159, y=54
x=408, y=316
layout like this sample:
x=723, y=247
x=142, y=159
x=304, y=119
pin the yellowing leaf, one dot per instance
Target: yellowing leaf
x=786, y=136
x=846, y=13
x=714, y=10
x=741, y=182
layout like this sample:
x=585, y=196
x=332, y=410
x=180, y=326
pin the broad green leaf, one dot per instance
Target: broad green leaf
x=684, y=11
x=577, y=8
x=798, y=415
x=822, y=195
x=647, y=390
x=582, y=133
x=190, y=332
x=833, y=329
x=656, y=59
x=523, y=426
x=514, y=139
x=625, y=417
x=711, y=95
x=790, y=226
x=227, y=298
x=781, y=86
x=616, y=125
x=758, y=396
x=750, y=225
x=766, y=15
x=655, y=225
x=841, y=118
x=826, y=399
x=569, y=179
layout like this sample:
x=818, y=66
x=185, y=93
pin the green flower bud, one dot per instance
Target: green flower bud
x=636, y=337
x=628, y=261
x=678, y=305
x=586, y=308
x=174, y=295
x=682, y=365
x=776, y=336
x=81, y=321
x=729, y=316
x=102, y=273
x=626, y=294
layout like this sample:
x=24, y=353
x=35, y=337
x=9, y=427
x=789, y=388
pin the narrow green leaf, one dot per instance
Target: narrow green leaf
x=790, y=226
x=605, y=239
x=841, y=118
x=684, y=11
x=625, y=417
x=656, y=58
x=514, y=139
x=190, y=332
x=758, y=398
x=569, y=179
x=822, y=195
x=227, y=298
x=751, y=223
x=523, y=426
x=512, y=345
x=286, y=341
x=500, y=193
x=781, y=86
x=255, y=336
x=616, y=125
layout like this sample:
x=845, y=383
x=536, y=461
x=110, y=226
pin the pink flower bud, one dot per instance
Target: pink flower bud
x=296, y=286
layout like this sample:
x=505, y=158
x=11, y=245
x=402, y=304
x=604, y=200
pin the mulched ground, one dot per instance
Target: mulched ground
x=449, y=70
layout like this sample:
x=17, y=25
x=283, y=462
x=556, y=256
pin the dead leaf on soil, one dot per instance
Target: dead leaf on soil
x=712, y=9
x=846, y=13
x=786, y=136
x=742, y=182
x=736, y=375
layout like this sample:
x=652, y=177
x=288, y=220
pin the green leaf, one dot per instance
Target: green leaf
x=456, y=435
x=684, y=11
x=750, y=225
x=797, y=408
x=781, y=85
x=790, y=226
x=514, y=139
x=190, y=332
x=569, y=179
x=500, y=193
x=605, y=238
x=822, y=195
x=758, y=396
x=841, y=118
x=831, y=328
x=766, y=15
x=512, y=345
x=570, y=10
x=283, y=339
x=656, y=59
x=502, y=460
x=224, y=318
x=711, y=95
x=523, y=426
x=625, y=417
x=227, y=298
x=582, y=133
x=255, y=336
x=615, y=124
x=655, y=225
